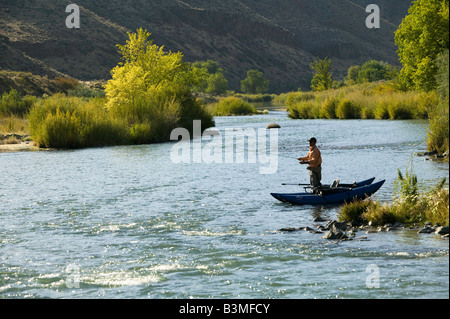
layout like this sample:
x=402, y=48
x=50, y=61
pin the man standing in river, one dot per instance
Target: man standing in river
x=314, y=161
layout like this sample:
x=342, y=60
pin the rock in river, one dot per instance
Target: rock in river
x=272, y=125
x=335, y=233
x=442, y=230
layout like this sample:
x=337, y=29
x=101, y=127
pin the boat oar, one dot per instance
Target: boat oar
x=284, y=184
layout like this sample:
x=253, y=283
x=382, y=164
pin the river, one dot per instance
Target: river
x=130, y=222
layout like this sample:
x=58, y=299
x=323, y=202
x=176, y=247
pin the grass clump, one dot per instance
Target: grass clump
x=12, y=104
x=61, y=121
x=232, y=106
x=70, y=122
x=361, y=101
x=409, y=206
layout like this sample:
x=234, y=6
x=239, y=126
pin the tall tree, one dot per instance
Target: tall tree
x=421, y=37
x=322, y=79
x=146, y=68
x=214, y=80
x=254, y=83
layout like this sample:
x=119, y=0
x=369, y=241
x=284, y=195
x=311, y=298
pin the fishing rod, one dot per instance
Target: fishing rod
x=290, y=157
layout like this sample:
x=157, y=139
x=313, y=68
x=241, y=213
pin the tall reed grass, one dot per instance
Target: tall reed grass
x=410, y=205
x=61, y=121
x=70, y=122
x=12, y=104
x=363, y=101
x=232, y=106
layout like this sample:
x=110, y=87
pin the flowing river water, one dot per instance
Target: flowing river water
x=131, y=222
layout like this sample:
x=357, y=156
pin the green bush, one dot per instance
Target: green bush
x=400, y=110
x=69, y=122
x=233, y=106
x=438, y=132
x=353, y=211
x=367, y=113
x=346, y=109
x=328, y=108
x=295, y=97
x=303, y=110
x=367, y=101
x=382, y=110
x=12, y=103
x=410, y=205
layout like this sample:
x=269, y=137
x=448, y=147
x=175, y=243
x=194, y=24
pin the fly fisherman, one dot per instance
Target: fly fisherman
x=314, y=161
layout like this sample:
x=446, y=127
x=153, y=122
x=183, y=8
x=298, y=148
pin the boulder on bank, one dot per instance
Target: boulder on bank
x=442, y=230
x=272, y=125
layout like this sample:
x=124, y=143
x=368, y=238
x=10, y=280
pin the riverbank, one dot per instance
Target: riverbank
x=19, y=147
x=343, y=231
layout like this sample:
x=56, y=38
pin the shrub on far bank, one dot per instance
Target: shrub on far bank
x=61, y=121
x=438, y=132
x=232, y=106
x=70, y=122
x=346, y=109
x=12, y=103
x=361, y=101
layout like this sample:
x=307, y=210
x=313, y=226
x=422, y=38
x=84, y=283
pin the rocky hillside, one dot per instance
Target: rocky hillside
x=280, y=38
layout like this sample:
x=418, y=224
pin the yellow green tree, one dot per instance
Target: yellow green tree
x=421, y=37
x=151, y=88
x=146, y=68
x=322, y=79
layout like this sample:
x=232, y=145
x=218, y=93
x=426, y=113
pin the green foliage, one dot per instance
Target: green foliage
x=379, y=214
x=410, y=205
x=146, y=68
x=328, y=108
x=406, y=186
x=352, y=74
x=212, y=67
x=322, y=79
x=151, y=90
x=217, y=84
x=421, y=37
x=70, y=122
x=353, y=211
x=438, y=133
x=347, y=110
x=254, y=83
x=367, y=101
x=442, y=76
x=12, y=103
x=212, y=80
x=373, y=71
x=233, y=106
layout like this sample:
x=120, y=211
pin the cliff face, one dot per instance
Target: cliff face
x=280, y=38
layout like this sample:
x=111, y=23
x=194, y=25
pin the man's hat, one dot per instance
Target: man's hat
x=312, y=139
